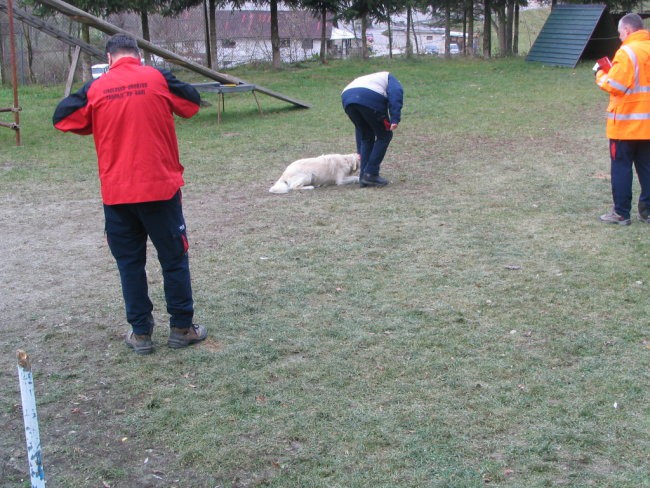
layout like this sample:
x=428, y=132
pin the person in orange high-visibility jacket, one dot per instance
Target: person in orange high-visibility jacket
x=628, y=119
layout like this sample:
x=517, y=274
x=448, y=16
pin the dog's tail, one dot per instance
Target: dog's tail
x=281, y=186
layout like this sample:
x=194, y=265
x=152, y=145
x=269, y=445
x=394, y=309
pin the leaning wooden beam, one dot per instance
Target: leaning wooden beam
x=99, y=24
x=53, y=31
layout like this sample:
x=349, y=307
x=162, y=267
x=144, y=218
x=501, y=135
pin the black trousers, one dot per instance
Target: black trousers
x=624, y=155
x=127, y=228
x=371, y=136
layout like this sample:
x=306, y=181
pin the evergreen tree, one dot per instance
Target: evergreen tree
x=321, y=8
x=366, y=10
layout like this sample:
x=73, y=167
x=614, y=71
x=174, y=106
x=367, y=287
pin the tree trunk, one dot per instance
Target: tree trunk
x=390, y=39
x=212, y=14
x=3, y=73
x=470, y=28
x=275, y=35
x=409, y=22
x=206, y=32
x=415, y=38
x=364, y=38
x=487, y=29
x=500, y=25
x=463, y=46
x=510, y=16
x=30, y=52
x=323, y=36
x=515, y=35
x=447, y=28
x=85, y=58
x=144, y=18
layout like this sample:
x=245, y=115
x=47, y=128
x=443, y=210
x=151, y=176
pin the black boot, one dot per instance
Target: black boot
x=372, y=180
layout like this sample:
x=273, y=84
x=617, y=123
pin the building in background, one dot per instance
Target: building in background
x=244, y=36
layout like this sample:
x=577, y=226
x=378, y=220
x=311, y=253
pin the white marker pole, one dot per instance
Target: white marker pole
x=31, y=421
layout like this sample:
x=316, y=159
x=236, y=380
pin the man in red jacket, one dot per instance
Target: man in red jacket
x=130, y=112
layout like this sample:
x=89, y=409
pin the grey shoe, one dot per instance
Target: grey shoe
x=179, y=338
x=141, y=344
x=613, y=218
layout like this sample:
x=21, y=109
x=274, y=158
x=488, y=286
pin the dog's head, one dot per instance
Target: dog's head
x=353, y=160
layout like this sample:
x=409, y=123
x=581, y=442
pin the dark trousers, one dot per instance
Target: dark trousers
x=624, y=154
x=371, y=135
x=127, y=229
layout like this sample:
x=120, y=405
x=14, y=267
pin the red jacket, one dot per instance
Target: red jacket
x=130, y=112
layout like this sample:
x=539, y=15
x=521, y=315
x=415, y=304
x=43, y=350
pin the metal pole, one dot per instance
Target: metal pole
x=32, y=436
x=14, y=76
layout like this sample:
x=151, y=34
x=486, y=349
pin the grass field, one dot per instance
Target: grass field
x=472, y=324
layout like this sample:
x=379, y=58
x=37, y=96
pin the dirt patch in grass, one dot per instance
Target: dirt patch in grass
x=61, y=302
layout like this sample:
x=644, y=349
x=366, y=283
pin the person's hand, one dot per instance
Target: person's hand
x=393, y=127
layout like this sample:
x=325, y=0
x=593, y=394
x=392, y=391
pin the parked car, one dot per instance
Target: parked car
x=431, y=49
x=454, y=50
x=98, y=69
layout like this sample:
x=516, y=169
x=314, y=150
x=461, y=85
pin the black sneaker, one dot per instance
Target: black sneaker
x=372, y=180
x=179, y=338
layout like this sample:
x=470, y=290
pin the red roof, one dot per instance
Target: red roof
x=294, y=24
x=232, y=24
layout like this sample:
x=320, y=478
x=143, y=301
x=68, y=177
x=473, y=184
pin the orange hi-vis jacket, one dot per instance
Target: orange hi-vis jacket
x=628, y=85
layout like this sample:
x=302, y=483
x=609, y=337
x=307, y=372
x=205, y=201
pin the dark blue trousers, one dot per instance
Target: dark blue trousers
x=371, y=135
x=624, y=154
x=127, y=229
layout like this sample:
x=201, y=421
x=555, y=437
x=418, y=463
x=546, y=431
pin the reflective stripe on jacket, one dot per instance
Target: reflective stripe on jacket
x=628, y=85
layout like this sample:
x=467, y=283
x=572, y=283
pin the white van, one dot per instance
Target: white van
x=98, y=69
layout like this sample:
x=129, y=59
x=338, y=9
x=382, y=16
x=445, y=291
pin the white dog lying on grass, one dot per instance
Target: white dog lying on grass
x=308, y=173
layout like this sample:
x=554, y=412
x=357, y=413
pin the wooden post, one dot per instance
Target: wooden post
x=14, y=76
x=30, y=419
x=73, y=68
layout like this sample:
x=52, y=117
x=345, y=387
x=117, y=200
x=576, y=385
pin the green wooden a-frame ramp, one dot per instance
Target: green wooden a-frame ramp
x=575, y=32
